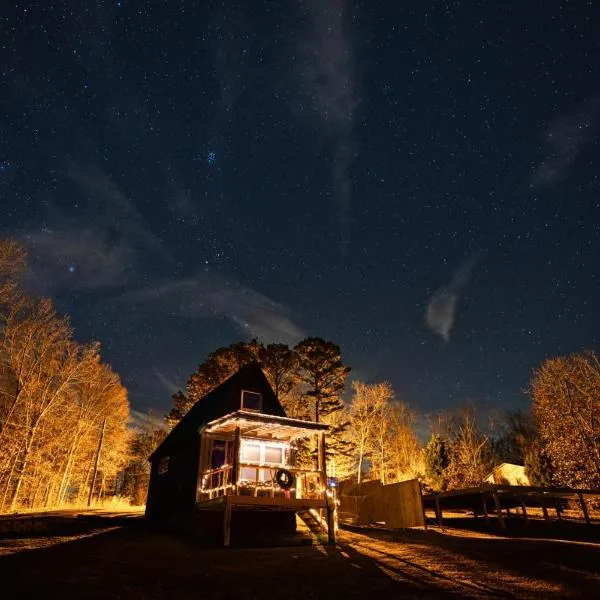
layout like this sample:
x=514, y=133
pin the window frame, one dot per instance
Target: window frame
x=263, y=444
x=260, y=404
x=162, y=468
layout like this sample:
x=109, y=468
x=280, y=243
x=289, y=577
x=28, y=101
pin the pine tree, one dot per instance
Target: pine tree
x=321, y=369
x=279, y=363
x=436, y=461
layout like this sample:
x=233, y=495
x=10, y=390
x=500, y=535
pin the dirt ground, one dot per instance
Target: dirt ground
x=106, y=557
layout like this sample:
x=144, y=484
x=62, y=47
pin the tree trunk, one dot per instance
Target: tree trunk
x=8, y=482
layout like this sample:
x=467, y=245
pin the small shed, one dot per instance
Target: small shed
x=508, y=474
x=235, y=450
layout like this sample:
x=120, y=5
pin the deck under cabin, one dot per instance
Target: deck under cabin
x=248, y=461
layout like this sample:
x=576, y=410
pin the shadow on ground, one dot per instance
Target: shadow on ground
x=112, y=559
x=508, y=567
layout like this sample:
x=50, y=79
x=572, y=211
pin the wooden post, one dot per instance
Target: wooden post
x=227, y=522
x=544, y=509
x=485, y=510
x=330, y=509
x=438, y=511
x=235, y=470
x=557, y=508
x=330, y=525
x=422, y=505
x=89, y=503
x=524, y=511
x=499, y=510
x=584, y=509
x=322, y=458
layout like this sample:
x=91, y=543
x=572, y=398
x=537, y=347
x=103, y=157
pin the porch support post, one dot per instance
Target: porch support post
x=227, y=522
x=202, y=463
x=236, y=459
x=330, y=524
x=322, y=465
x=322, y=459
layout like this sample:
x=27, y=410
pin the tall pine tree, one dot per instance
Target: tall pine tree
x=321, y=369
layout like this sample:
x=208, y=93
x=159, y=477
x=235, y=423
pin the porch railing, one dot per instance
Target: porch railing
x=259, y=481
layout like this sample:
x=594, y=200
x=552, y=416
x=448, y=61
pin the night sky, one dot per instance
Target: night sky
x=418, y=182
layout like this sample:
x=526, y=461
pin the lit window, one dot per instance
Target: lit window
x=248, y=474
x=251, y=401
x=251, y=452
x=274, y=455
x=163, y=465
x=254, y=474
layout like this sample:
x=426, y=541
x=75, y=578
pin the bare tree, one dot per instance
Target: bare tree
x=566, y=405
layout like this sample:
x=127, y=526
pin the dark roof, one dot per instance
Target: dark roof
x=220, y=401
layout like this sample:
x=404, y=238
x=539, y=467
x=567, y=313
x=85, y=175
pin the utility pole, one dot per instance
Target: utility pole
x=89, y=503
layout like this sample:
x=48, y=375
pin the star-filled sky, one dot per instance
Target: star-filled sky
x=418, y=182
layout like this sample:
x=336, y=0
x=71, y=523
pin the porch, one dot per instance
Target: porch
x=248, y=462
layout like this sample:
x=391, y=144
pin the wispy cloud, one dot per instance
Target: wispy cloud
x=82, y=260
x=566, y=138
x=168, y=384
x=329, y=74
x=146, y=421
x=209, y=295
x=440, y=313
x=103, y=255
x=113, y=209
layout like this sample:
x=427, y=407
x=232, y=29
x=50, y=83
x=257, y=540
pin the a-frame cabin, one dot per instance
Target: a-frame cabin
x=235, y=450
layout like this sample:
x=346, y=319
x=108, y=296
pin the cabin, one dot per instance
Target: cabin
x=233, y=460
x=508, y=474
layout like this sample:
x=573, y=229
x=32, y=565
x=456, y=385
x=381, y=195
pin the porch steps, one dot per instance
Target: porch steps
x=312, y=522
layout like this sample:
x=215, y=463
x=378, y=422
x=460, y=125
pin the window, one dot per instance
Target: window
x=274, y=455
x=163, y=465
x=251, y=452
x=254, y=474
x=218, y=455
x=264, y=453
x=251, y=401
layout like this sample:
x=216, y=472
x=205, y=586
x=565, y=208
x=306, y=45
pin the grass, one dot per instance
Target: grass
x=120, y=558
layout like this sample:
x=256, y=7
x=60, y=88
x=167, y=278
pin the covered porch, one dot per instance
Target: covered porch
x=249, y=461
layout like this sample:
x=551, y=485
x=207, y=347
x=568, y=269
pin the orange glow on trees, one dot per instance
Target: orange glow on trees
x=54, y=396
x=566, y=405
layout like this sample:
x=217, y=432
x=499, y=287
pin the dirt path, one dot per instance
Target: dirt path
x=131, y=562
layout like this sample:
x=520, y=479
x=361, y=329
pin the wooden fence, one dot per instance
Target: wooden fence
x=396, y=505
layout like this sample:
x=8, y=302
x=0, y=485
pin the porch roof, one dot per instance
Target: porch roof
x=260, y=425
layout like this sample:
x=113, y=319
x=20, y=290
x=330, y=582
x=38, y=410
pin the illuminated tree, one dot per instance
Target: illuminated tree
x=470, y=449
x=538, y=466
x=403, y=447
x=566, y=405
x=363, y=413
x=53, y=394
